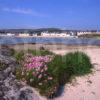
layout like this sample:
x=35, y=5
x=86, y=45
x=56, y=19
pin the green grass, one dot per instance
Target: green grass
x=72, y=64
x=90, y=35
x=20, y=55
x=79, y=63
x=61, y=68
x=40, y=52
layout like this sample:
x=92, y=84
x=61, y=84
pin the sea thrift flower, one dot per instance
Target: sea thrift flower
x=33, y=73
x=50, y=78
x=36, y=62
x=45, y=80
x=42, y=70
x=27, y=74
x=22, y=73
x=40, y=76
x=31, y=80
x=45, y=68
x=40, y=83
x=45, y=74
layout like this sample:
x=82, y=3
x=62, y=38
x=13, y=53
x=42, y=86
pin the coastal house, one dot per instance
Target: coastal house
x=2, y=34
x=24, y=34
x=10, y=34
x=45, y=34
x=54, y=34
x=83, y=33
x=34, y=35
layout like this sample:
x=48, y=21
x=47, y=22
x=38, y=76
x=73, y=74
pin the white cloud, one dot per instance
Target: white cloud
x=24, y=11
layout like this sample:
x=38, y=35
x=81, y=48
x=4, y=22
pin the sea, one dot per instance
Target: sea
x=43, y=40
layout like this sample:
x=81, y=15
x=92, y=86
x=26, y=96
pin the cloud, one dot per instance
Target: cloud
x=24, y=11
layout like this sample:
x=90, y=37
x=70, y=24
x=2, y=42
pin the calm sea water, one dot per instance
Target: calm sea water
x=69, y=41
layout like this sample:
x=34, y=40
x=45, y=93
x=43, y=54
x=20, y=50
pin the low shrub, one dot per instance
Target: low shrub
x=49, y=72
x=59, y=69
x=63, y=67
x=79, y=63
x=35, y=73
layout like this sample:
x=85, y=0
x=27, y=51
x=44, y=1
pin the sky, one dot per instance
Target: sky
x=65, y=14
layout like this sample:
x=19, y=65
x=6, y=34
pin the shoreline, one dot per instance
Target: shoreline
x=47, y=46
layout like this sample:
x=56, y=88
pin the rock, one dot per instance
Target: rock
x=6, y=60
x=6, y=51
x=27, y=93
x=10, y=87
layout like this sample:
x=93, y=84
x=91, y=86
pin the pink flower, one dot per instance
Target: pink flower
x=27, y=74
x=31, y=80
x=46, y=68
x=42, y=71
x=40, y=76
x=33, y=73
x=22, y=73
x=40, y=83
x=50, y=78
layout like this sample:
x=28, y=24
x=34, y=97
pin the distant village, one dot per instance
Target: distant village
x=47, y=33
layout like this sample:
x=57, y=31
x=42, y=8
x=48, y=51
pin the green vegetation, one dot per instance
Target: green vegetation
x=19, y=56
x=90, y=36
x=55, y=73
x=2, y=66
x=40, y=52
x=63, y=67
x=79, y=63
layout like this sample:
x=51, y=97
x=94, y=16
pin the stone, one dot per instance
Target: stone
x=10, y=87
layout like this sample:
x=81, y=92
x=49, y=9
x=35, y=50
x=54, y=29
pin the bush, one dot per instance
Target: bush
x=35, y=73
x=63, y=67
x=78, y=63
x=48, y=73
x=59, y=69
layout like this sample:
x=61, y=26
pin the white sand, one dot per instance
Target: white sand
x=87, y=87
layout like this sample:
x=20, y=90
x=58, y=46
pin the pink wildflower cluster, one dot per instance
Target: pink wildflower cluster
x=36, y=62
x=35, y=69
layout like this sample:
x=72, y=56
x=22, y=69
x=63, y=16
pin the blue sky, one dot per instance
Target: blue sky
x=67, y=14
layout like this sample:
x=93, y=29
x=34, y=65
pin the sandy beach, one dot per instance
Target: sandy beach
x=86, y=87
x=82, y=88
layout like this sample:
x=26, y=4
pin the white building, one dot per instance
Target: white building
x=46, y=34
x=2, y=34
x=35, y=35
x=83, y=33
x=24, y=34
x=10, y=34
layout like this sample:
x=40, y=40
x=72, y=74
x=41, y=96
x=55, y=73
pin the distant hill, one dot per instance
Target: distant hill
x=30, y=30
